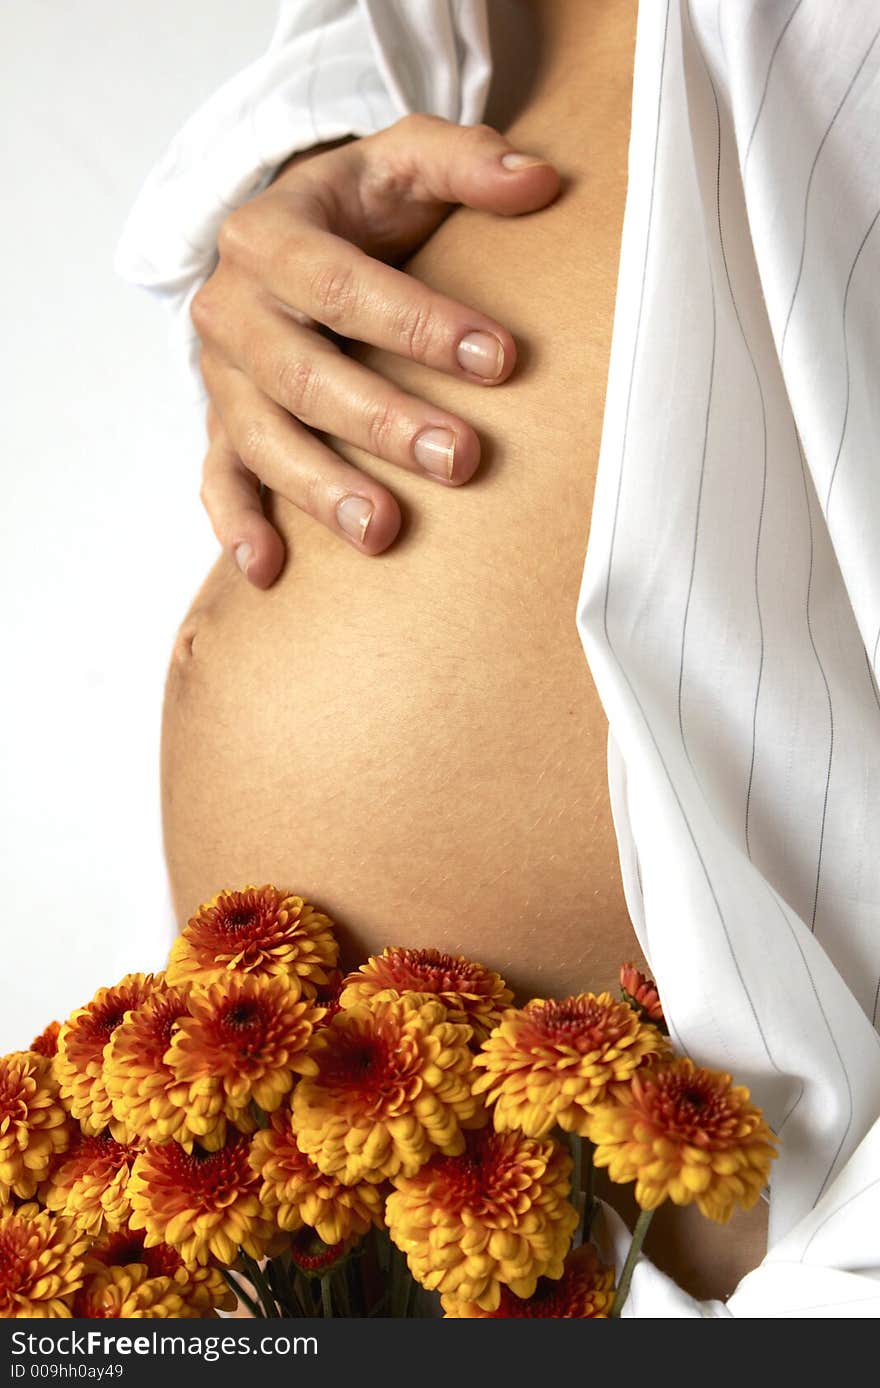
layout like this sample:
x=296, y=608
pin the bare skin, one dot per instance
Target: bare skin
x=414, y=741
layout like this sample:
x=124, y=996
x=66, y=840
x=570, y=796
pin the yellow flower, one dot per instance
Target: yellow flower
x=201, y=1288
x=549, y=1062
x=258, y=930
x=150, y=1103
x=498, y=1215
x=130, y=1293
x=244, y=1040
x=641, y=994
x=47, y=1042
x=82, y=1042
x=33, y=1123
x=41, y=1263
x=392, y=1088
x=470, y=992
x=205, y=1204
x=299, y=1194
x=89, y=1184
x=585, y=1291
x=687, y=1135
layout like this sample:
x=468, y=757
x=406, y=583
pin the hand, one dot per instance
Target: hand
x=312, y=253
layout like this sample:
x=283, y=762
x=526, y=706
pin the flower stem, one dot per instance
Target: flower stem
x=326, y=1297
x=255, y=1275
x=240, y=1292
x=642, y=1225
x=590, y=1191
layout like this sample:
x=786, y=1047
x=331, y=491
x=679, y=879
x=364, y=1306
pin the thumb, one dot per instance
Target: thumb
x=433, y=161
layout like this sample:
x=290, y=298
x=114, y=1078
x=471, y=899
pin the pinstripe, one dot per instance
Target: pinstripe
x=830, y=127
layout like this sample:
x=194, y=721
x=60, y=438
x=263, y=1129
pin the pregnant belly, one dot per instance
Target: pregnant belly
x=415, y=740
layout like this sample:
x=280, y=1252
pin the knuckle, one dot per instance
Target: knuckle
x=418, y=331
x=381, y=428
x=480, y=133
x=334, y=294
x=252, y=444
x=417, y=123
x=235, y=234
x=201, y=310
x=312, y=493
x=298, y=384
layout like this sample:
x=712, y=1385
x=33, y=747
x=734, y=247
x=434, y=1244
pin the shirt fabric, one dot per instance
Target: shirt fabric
x=730, y=602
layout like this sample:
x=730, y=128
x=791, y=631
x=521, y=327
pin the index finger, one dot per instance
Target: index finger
x=346, y=290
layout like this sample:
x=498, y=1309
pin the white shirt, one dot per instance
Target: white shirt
x=730, y=603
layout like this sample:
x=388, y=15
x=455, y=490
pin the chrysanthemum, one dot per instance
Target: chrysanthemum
x=311, y=1254
x=549, y=1062
x=205, y=1204
x=89, y=1184
x=34, y=1126
x=392, y=1088
x=684, y=1134
x=150, y=1102
x=300, y=1194
x=130, y=1293
x=41, y=1263
x=641, y=994
x=79, y=1064
x=498, y=1215
x=47, y=1042
x=202, y=1288
x=244, y=1039
x=585, y=1291
x=258, y=930
x=327, y=997
x=470, y=992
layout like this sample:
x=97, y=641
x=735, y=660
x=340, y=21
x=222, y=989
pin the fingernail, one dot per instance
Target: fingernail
x=243, y=556
x=520, y=161
x=434, y=450
x=482, y=354
x=354, y=514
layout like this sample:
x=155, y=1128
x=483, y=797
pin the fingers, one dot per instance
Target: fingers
x=326, y=278
x=317, y=384
x=268, y=444
x=231, y=497
x=474, y=165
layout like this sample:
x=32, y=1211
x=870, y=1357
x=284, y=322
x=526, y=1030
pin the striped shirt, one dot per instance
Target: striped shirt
x=730, y=602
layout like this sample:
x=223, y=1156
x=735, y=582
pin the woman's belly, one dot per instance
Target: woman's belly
x=415, y=740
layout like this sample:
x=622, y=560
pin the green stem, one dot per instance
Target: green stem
x=326, y=1297
x=240, y=1292
x=642, y=1225
x=255, y=1275
x=590, y=1193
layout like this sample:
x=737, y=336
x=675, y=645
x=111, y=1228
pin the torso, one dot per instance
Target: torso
x=414, y=741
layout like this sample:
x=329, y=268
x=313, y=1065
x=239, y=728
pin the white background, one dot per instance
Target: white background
x=102, y=538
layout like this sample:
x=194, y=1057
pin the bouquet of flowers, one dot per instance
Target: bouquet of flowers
x=253, y=1129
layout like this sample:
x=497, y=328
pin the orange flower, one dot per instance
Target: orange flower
x=470, y=992
x=205, y=1204
x=202, y=1288
x=392, y=1087
x=41, y=1263
x=684, y=1134
x=585, y=1291
x=47, y=1042
x=641, y=994
x=150, y=1103
x=89, y=1184
x=79, y=1064
x=327, y=998
x=244, y=1041
x=130, y=1293
x=497, y=1215
x=312, y=1255
x=33, y=1123
x=549, y=1062
x=258, y=930
x=299, y=1194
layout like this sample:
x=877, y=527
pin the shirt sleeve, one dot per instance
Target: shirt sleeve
x=332, y=68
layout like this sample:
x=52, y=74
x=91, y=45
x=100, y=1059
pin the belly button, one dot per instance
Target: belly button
x=184, y=644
